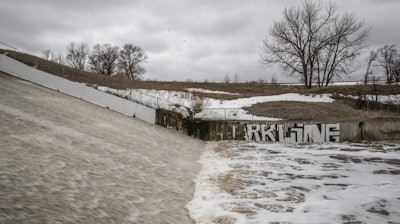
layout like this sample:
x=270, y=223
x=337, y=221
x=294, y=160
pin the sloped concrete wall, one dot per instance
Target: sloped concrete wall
x=18, y=69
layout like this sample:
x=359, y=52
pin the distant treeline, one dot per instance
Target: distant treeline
x=105, y=59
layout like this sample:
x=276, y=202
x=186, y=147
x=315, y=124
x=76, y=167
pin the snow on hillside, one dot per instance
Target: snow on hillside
x=198, y=90
x=183, y=102
x=246, y=183
x=231, y=109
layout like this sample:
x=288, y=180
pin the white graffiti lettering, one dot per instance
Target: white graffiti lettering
x=298, y=133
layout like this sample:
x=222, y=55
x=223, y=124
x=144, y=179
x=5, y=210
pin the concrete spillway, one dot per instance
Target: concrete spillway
x=63, y=160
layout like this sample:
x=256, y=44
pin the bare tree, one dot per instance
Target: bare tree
x=338, y=56
x=77, y=55
x=130, y=59
x=236, y=78
x=389, y=57
x=274, y=80
x=57, y=58
x=314, y=39
x=103, y=59
x=373, y=55
x=46, y=54
x=396, y=69
x=227, y=79
x=261, y=80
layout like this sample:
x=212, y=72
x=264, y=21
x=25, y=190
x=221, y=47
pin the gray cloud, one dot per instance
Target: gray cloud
x=195, y=40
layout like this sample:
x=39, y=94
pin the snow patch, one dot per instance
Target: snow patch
x=199, y=90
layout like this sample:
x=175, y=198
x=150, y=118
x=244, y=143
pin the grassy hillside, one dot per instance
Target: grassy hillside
x=340, y=110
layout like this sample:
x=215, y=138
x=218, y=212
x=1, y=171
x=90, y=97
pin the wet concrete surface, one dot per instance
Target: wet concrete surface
x=63, y=160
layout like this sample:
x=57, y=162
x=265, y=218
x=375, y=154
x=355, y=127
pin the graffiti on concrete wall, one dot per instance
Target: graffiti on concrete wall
x=297, y=133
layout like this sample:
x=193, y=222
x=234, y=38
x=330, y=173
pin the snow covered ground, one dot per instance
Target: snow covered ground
x=279, y=183
x=198, y=90
x=211, y=108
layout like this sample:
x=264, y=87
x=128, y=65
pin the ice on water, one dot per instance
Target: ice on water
x=329, y=183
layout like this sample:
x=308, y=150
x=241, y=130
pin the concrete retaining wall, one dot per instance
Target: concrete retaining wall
x=377, y=129
x=373, y=129
x=18, y=69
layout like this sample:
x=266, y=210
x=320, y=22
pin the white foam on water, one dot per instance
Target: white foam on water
x=330, y=183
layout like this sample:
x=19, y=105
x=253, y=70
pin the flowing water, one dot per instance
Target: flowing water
x=63, y=160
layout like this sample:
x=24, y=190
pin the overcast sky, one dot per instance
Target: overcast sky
x=184, y=39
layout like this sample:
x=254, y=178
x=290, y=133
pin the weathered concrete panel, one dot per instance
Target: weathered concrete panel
x=293, y=133
x=374, y=129
x=78, y=90
x=377, y=129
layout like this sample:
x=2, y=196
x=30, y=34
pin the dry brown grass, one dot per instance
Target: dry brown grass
x=300, y=111
x=286, y=110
